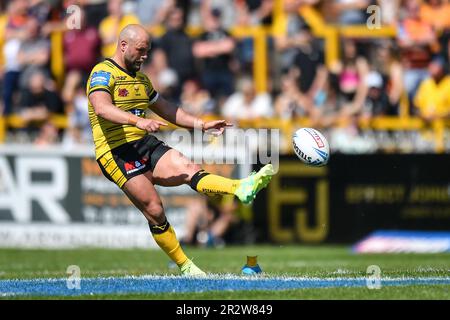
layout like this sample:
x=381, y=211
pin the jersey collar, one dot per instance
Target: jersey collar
x=131, y=74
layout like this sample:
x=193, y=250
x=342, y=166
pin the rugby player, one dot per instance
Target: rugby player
x=130, y=156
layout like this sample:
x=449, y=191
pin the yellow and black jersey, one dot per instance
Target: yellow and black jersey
x=130, y=92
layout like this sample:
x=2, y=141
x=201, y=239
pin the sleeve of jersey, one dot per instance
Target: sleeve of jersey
x=152, y=95
x=101, y=80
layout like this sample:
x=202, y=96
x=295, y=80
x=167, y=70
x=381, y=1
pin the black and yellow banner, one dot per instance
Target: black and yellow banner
x=353, y=196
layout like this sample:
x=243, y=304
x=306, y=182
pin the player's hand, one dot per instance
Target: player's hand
x=150, y=125
x=217, y=126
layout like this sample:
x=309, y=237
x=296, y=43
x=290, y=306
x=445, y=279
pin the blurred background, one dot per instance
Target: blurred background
x=371, y=75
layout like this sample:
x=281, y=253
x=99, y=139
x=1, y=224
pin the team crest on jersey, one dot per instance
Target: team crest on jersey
x=136, y=90
x=123, y=92
x=100, y=78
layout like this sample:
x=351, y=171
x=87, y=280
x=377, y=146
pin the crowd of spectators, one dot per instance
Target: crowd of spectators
x=211, y=72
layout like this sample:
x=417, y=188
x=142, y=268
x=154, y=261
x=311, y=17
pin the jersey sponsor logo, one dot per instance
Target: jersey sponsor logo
x=135, y=165
x=138, y=112
x=100, y=78
x=123, y=92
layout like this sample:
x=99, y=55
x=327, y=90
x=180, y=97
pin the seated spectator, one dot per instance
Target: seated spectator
x=48, y=135
x=111, y=26
x=38, y=102
x=245, y=103
x=433, y=96
x=326, y=111
x=209, y=220
x=377, y=101
x=79, y=129
x=195, y=99
x=291, y=102
x=164, y=79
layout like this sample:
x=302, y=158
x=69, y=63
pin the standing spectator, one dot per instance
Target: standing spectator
x=177, y=46
x=433, y=96
x=436, y=13
x=416, y=39
x=254, y=12
x=111, y=26
x=294, y=34
x=215, y=50
x=153, y=13
x=81, y=50
x=246, y=103
x=351, y=11
x=386, y=61
x=40, y=10
x=349, y=76
x=310, y=61
x=34, y=53
x=14, y=34
x=389, y=11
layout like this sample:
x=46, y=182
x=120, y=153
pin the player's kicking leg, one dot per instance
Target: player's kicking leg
x=174, y=169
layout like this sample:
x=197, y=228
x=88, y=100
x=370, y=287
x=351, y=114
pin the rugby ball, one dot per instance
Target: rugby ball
x=311, y=147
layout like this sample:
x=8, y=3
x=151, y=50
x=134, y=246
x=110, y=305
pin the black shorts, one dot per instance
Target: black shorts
x=132, y=159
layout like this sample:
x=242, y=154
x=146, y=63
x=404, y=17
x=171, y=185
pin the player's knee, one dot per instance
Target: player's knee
x=155, y=211
x=191, y=169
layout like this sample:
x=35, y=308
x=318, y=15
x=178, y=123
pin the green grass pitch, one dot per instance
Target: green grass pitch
x=276, y=261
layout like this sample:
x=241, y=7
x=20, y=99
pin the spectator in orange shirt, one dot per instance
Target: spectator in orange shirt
x=416, y=39
x=436, y=13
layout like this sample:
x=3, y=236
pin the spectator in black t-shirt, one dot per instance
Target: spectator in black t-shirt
x=214, y=49
x=177, y=47
x=38, y=102
x=311, y=63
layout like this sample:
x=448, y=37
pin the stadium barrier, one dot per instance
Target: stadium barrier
x=353, y=196
x=55, y=197
x=287, y=127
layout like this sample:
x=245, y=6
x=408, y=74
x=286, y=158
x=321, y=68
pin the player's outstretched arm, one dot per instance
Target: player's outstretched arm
x=178, y=116
x=103, y=107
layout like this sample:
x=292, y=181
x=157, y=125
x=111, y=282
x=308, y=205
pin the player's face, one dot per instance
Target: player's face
x=136, y=54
